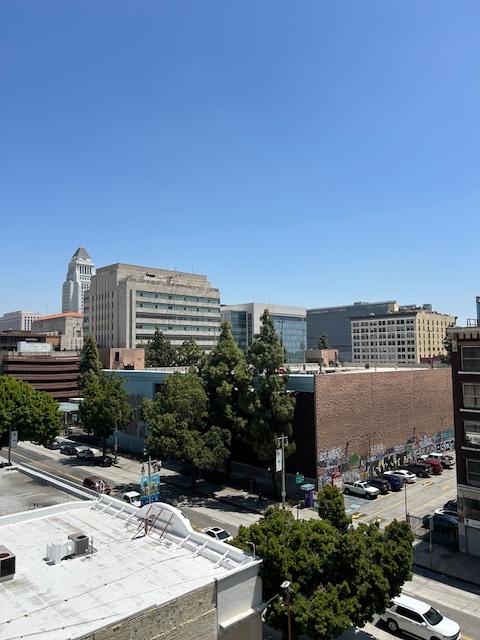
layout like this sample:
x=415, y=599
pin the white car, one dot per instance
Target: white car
x=133, y=498
x=405, y=475
x=419, y=619
x=217, y=533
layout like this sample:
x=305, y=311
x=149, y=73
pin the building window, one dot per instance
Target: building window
x=471, y=358
x=471, y=396
x=471, y=433
x=473, y=473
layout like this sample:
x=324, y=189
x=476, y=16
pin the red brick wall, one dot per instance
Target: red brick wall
x=389, y=406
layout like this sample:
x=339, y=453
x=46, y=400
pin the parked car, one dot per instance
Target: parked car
x=55, y=444
x=85, y=454
x=102, y=461
x=420, y=469
x=447, y=512
x=437, y=467
x=403, y=474
x=445, y=460
x=419, y=619
x=440, y=522
x=396, y=483
x=97, y=484
x=68, y=450
x=133, y=498
x=451, y=504
x=380, y=483
x=218, y=533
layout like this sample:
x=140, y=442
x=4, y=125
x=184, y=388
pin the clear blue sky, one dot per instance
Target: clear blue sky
x=308, y=153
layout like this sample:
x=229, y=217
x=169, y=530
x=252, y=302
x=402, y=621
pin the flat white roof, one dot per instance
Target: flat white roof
x=126, y=571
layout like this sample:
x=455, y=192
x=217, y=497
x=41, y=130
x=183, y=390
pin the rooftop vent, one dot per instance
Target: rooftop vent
x=7, y=564
x=81, y=542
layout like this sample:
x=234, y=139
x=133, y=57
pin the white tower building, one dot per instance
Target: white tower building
x=79, y=274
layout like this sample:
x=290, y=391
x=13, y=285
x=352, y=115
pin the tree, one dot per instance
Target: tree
x=331, y=506
x=446, y=358
x=189, y=354
x=177, y=421
x=271, y=406
x=159, y=351
x=227, y=379
x=338, y=578
x=33, y=414
x=323, y=342
x=89, y=359
x=105, y=405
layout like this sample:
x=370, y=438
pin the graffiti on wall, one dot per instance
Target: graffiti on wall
x=338, y=461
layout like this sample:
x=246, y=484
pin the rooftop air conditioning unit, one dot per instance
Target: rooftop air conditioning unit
x=81, y=542
x=7, y=564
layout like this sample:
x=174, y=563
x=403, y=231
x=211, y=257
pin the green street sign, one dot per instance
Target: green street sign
x=299, y=479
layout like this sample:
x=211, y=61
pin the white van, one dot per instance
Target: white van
x=419, y=619
x=446, y=461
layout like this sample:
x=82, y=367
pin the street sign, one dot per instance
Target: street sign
x=299, y=479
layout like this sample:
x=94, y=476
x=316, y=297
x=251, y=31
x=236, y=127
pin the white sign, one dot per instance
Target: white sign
x=278, y=460
x=14, y=439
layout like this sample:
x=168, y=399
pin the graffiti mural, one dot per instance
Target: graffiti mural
x=339, y=462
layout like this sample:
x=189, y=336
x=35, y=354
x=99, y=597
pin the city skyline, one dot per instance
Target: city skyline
x=313, y=157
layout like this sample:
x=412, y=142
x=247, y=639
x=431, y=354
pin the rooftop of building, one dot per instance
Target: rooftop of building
x=67, y=314
x=120, y=567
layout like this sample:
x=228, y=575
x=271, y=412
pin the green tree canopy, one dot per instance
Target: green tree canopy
x=33, y=414
x=159, y=351
x=227, y=379
x=331, y=506
x=89, y=360
x=189, y=354
x=338, y=578
x=323, y=342
x=178, y=425
x=271, y=406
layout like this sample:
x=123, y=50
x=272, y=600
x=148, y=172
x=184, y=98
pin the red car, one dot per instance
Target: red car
x=97, y=484
x=437, y=468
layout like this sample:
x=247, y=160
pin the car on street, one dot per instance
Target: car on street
x=451, y=504
x=445, y=460
x=102, y=461
x=97, y=484
x=380, y=483
x=403, y=474
x=68, y=450
x=436, y=465
x=417, y=618
x=85, y=454
x=420, y=469
x=396, y=483
x=440, y=522
x=218, y=533
x=55, y=445
x=447, y=512
x=133, y=498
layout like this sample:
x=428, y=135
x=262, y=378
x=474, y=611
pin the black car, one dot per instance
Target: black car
x=68, y=450
x=441, y=522
x=451, y=505
x=419, y=469
x=380, y=483
x=103, y=461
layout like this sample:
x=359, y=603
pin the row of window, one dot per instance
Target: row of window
x=172, y=296
x=166, y=327
x=176, y=307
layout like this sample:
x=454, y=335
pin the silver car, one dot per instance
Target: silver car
x=419, y=619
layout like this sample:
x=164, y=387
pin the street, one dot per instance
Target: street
x=454, y=598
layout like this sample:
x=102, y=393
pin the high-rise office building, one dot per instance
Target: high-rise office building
x=408, y=336
x=290, y=325
x=126, y=304
x=79, y=274
x=335, y=322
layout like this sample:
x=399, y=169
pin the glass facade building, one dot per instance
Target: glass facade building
x=290, y=325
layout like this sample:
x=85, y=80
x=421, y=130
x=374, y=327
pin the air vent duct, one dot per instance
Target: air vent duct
x=7, y=564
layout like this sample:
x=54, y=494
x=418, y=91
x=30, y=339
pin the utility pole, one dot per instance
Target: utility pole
x=281, y=442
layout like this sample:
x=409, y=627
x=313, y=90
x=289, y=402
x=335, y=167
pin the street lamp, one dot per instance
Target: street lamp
x=281, y=442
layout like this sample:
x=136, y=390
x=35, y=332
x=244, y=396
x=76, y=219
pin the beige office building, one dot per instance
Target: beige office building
x=127, y=303
x=408, y=336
